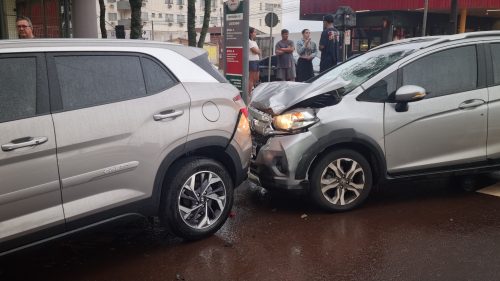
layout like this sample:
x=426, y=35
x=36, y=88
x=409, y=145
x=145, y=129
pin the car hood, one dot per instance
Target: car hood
x=276, y=97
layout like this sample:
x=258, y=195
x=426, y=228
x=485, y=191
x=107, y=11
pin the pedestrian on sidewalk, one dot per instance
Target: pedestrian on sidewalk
x=284, y=52
x=307, y=50
x=253, y=61
x=328, y=44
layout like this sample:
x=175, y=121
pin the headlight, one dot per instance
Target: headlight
x=294, y=120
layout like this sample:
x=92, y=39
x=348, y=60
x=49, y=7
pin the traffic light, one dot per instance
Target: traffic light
x=120, y=31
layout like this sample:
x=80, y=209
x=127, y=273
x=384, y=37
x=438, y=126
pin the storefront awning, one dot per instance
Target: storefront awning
x=314, y=9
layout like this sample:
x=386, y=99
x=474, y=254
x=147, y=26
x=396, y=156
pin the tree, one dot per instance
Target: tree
x=206, y=21
x=191, y=23
x=135, y=21
x=191, y=20
x=102, y=19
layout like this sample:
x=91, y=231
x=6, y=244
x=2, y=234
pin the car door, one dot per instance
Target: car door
x=493, y=146
x=449, y=126
x=30, y=196
x=116, y=124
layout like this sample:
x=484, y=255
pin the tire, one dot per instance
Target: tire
x=335, y=187
x=199, y=214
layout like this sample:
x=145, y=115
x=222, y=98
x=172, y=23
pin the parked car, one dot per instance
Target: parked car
x=264, y=69
x=94, y=131
x=406, y=109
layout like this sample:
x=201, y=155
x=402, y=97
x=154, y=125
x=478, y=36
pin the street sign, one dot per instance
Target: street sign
x=271, y=19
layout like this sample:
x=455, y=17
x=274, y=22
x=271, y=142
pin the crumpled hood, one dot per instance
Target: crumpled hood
x=277, y=97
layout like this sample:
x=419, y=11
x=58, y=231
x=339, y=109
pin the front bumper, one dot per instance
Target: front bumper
x=275, y=161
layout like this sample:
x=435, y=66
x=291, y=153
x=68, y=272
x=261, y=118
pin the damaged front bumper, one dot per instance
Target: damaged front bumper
x=276, y=159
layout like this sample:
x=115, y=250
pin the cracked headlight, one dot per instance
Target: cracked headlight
x=295, y=120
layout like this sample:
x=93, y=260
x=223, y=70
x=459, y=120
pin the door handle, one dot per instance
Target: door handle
x=468, y=104
x=168, y=114
x=23, y=142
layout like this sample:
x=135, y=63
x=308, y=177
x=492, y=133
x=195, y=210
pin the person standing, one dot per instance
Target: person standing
x=328, y=44
x=24, y=28
x=284, y=52
x=307, y=51
x=253, y=60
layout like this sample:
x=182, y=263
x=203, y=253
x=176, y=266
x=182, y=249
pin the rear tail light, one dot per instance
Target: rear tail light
x=244, y=111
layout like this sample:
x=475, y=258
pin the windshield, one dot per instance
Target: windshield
x=359, y=69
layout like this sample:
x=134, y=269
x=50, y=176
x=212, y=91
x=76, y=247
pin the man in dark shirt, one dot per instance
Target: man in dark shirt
x=328, y=44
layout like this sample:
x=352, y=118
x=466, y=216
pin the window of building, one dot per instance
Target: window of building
x=181, y=18
x=271, y=7
x=144, y=16
x=160, y=16
x=153, y=15
x=180, y=2
x=90, y=80
x=169, y=1
x=213, y=20
x=111, y=1
x=18, y=90
x=446, y=72
x=112, y=16
x=169, y=17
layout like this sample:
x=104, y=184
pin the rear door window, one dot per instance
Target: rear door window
x=18, y=88
x=90, y=80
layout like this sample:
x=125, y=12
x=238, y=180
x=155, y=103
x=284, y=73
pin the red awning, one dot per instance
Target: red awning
x=308, y=7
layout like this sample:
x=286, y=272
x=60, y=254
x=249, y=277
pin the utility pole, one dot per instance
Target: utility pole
x=424, y=24
x=270, y=45
x=152, y=30
x=453, y=16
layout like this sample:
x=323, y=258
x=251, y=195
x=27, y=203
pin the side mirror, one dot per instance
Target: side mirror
x=406, y=94
x=410, y=93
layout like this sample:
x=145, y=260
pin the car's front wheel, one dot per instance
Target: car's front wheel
x=198, y=198
x=341, y=180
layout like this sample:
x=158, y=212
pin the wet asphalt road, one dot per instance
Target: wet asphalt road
x=426, y=230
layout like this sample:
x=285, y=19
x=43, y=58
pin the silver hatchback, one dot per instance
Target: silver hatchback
x=97, y=130
x=410, y=108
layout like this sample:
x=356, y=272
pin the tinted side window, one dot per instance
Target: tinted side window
x=495, y=54
x=380, y=91
x=87, y=80
x=157, y=79
x=445, y=72
x=17, y=88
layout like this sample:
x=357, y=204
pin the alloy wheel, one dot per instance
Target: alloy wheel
x=202, y=200
x=342, y=181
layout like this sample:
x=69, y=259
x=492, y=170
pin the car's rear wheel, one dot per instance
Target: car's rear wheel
x=341, y=180
x=198, y=198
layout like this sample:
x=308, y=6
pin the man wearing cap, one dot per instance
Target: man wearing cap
x=328, y=44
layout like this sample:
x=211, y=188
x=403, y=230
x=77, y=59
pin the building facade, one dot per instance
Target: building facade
x=378, y=22
x=163, y=20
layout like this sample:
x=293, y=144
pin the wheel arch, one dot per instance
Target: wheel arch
x=215, y=147
x=344, y=139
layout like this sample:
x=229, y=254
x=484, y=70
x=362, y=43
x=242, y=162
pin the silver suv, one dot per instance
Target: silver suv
x=409, y=108
x=98, y=130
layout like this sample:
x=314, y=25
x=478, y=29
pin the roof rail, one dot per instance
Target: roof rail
x=441, y=38
x=406, y=41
